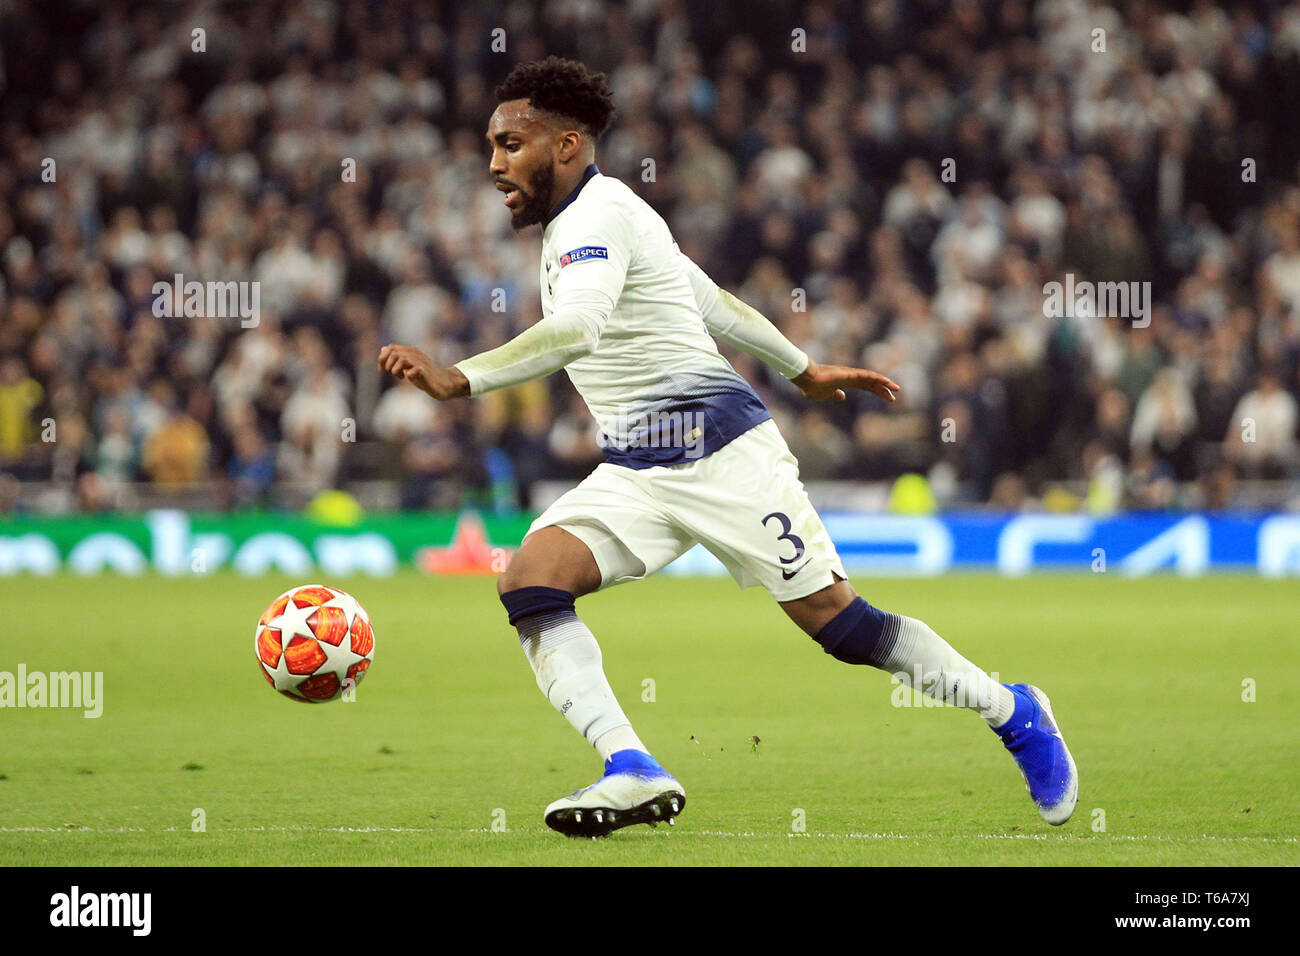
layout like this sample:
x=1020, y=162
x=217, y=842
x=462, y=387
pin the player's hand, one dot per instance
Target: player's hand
x=410, y=363
x=828, y=382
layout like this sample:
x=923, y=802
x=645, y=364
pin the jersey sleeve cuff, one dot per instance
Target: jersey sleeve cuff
x=475, y=381
x=798, y=366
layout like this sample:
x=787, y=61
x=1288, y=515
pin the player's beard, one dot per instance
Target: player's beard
x=537, y=199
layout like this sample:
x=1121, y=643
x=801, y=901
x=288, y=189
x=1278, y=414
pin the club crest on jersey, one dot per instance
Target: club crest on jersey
x=582, y=254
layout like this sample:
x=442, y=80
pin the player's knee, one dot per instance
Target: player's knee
x=816, y=610
x=523, y=572
x=551, y=558
x=531, y=585
x=507, y=581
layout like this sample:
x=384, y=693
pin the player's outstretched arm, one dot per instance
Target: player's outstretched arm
x=742, y=327
x=828, y=382
x=536, y=352
x=408, y=362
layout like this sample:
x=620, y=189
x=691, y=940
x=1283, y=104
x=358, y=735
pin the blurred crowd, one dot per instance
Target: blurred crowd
x=893, y=183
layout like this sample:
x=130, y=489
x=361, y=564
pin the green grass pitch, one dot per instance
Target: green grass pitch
x=450, y=753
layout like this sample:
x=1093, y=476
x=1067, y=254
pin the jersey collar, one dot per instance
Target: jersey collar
x=591, y=170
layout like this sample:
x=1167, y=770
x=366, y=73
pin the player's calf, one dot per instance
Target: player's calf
x=853, y=631
x=566, y=660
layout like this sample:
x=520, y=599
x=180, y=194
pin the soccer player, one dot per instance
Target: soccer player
x=691, y=456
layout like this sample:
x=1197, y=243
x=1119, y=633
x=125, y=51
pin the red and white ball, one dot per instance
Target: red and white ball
x=314, y=643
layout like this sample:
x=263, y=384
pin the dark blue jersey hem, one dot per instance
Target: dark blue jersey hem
x=689, y=430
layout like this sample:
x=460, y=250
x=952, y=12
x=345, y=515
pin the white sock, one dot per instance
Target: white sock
x=620, y=738
x=566, y=660
x=924, y=661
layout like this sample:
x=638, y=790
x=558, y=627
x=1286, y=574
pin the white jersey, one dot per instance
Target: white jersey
x=629, y=317
x=632, y=319
x=656, y=375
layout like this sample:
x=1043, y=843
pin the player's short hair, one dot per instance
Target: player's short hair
x=563, y=87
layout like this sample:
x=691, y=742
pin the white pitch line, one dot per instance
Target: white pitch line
x=221, y=830
x=749, y=835
x=1062, y=837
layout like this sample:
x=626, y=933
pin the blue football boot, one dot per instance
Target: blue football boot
x=634, y=789
x=1035, y=742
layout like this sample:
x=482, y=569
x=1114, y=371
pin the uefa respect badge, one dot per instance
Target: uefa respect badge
x=584, y=254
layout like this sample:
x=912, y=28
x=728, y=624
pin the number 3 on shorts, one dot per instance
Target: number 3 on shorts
x=785, y=535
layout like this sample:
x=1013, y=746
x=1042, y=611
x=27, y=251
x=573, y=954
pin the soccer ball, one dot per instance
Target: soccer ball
x=314, y=643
